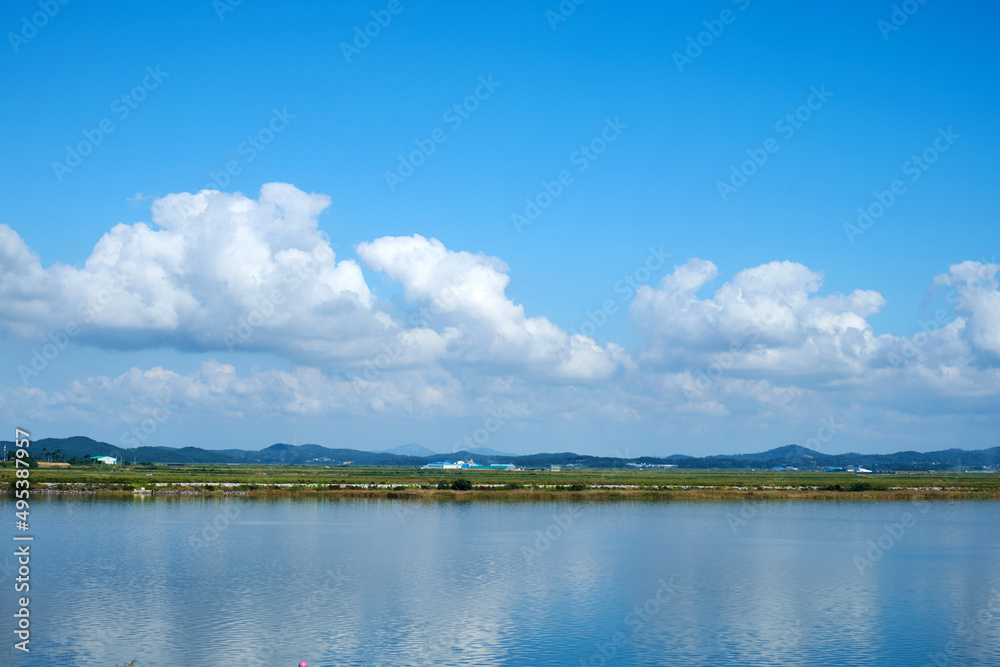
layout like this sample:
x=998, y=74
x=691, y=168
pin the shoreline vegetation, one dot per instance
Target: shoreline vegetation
x=414, y=484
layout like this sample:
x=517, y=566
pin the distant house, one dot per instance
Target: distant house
x=468, y=465
x=109, y=460
x=446, y=465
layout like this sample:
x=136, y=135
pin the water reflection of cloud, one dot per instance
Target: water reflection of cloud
x=360, y=583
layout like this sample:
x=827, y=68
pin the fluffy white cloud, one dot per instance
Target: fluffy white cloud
x=217, y=271
x=975, y=295
x=766, y=344
x=469, y=318
x=765, y=318
x=218, y=389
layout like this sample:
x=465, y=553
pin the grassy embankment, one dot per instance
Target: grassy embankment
x=594, y=484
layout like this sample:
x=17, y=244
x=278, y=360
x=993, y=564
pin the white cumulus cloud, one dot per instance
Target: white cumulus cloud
x=766, y=318
x=474, y=319
x=213, y=271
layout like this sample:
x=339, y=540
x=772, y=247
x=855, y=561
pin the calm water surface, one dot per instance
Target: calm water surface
x=192, y=582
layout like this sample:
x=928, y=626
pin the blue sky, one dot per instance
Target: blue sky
x=796, y=319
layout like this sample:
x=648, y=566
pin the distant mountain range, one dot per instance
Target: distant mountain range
x=415, y=455
x=413, y=449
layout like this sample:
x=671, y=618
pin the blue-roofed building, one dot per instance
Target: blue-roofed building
x=468, y=465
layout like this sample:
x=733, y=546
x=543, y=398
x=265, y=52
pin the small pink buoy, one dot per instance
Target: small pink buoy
x=303, y=664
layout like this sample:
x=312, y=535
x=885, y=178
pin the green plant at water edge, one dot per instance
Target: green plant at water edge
x=461, y=485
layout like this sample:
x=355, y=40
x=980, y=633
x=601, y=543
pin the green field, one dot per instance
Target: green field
x=527, y=484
